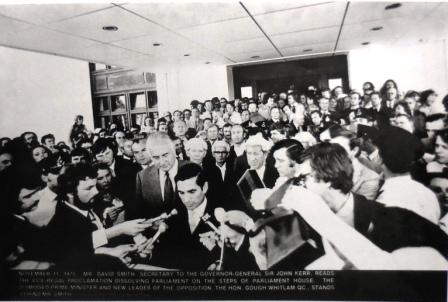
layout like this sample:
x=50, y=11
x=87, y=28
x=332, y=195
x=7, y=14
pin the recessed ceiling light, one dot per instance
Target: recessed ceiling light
x=110, y=28
x=392, y=6
x=307, y=50
x=365, y=43
x=255, y=57
x=186, y=55
x=376, y=28
x=156, y=44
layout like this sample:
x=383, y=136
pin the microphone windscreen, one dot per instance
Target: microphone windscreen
x=220, y=215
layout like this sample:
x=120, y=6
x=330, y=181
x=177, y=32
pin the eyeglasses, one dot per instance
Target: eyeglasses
x=220, y=152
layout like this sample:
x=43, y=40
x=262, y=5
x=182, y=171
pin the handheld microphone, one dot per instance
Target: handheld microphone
x=220, y=215
x=163, y=216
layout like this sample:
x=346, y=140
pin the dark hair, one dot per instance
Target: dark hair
x=190, y=170
x=294, y=149
x=398, y=149
x=425, y=94
x=405, y=106
x=100, y=166
x=383, y=89
x=443, y=133
x=70, y=179
x=26, y=133
x=4, y=150
x=331, y=163
x=45, y=137
x=102, y=144
x=372, y=87
x=226, y=125
x=191, y=132
x=445, y=102
x=80, y=152
x=375, y=92
x=411, y=94
x=49, y=165
x=316, y=111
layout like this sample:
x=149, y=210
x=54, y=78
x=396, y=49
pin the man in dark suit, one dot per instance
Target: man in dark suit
x=195, y=247
x=155, y=186
x=257, y=149
x=123, y=171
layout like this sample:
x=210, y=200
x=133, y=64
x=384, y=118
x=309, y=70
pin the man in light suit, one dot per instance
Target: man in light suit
x=155, y=186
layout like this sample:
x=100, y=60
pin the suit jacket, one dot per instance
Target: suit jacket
x=71, y=237
x=395, y=228
x=148, y=195
x=363, y=212
x=181, y=248
x=124, y=181
x=241, y=165
x=219, y=188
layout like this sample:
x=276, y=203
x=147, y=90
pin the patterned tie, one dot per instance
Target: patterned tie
x=168, y=191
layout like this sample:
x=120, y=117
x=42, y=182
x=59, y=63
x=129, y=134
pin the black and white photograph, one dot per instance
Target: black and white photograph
x=224, y=150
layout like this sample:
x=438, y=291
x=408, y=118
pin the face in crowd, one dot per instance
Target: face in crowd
x=283, y=164
x=163, y=156
x=237, y=135
x=103, y=179
x=106, y=156
x=255, y=157
x=191, y=194
x=141, y=154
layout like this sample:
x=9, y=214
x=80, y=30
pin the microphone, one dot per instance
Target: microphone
x=220, y=215
x=163, y=216
x=206, y=218
x=162, y=229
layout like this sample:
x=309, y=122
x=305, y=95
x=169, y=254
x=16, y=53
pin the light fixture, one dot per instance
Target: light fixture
x=376, y=28
x=365, y=43
x=255, y=57
x=392, y=6
x=110, y=28
x=308, y=50
x=186, y=55
x=156, y=44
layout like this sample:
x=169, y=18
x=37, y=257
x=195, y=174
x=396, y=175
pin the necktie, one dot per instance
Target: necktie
x=168, y=191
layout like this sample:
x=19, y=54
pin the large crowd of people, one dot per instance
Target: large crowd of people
x=362, y=176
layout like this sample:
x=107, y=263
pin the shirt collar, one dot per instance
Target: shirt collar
x=82, y=212
x=173, y=171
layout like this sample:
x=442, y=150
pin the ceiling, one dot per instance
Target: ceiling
x=215, y=33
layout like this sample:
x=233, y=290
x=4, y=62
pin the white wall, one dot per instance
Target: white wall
x=42, y=93
x=419, y=67
x=178, y=87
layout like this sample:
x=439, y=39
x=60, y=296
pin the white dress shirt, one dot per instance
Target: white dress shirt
x=172, y=173
x=222, y=170
x=404, y=192
x=112, y=168
x=194, y=216
x=260, y=172
x=239, y=149
x=346, y=212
